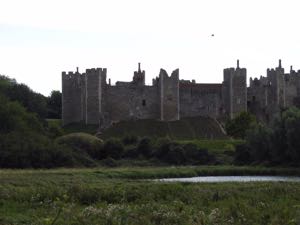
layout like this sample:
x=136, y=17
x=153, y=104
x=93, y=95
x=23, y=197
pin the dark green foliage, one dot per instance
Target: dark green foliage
x=54, y=129
x=113, y=148
x=130, y=140
x=54, y=104
x=145, y=147
x=279, y=144
x=44, y=107
x=83, y=142
x=259, y=140
x=23, y=150
x=195, y=155
x=32, y=101
x=24, y=141
x=238, y=126
x=13, y=117
x=188, y=154
x=242, y=155
x=175, y=155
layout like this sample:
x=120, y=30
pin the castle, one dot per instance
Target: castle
x=89, y=99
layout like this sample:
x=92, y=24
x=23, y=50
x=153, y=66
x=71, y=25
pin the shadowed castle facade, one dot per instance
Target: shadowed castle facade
x=89, y=99
x=267, y=96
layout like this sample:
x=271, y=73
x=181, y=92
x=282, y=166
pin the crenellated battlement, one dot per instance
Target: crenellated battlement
x=88, y=98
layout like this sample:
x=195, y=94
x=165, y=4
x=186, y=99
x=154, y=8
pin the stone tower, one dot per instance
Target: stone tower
x=95, y=81
x=234, y=90
x=72, y=100
x=139, y=76
x=169, y=95
x=277, y=88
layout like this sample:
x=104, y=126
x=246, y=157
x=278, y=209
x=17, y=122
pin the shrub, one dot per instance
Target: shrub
x=196, y=156
x=162, y=146
x=144, y=147
x=54, y=130
x=242, y=154
x=259, y=142
x=131, y=153
x=113, y=148
x=238, y=126
x=130, y=140
x=175, y=155
x=25, y=150
x=84, y=142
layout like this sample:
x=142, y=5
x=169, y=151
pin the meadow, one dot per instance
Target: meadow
x=129, y=196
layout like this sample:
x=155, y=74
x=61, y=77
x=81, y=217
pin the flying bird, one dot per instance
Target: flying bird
x=213, y=35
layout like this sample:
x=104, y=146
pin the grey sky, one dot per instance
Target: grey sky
x=41, y=38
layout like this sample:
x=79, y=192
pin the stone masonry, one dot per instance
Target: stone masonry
x=268, y=96
x=88, y=98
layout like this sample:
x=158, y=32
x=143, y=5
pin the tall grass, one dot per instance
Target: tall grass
x=89, y=196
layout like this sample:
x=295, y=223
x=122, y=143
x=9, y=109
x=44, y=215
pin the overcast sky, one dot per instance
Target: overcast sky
x=41, y=38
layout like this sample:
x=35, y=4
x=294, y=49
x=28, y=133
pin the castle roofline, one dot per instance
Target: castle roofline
x=200, y=85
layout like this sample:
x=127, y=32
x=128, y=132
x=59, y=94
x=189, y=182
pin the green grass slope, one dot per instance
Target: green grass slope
x=186, y=128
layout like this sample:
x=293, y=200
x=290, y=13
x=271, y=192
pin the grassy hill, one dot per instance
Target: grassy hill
x=186, y=128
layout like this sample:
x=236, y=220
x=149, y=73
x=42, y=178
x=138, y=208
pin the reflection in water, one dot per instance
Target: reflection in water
x=218, y=179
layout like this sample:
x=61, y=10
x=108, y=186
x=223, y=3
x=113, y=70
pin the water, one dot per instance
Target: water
x=220, y=179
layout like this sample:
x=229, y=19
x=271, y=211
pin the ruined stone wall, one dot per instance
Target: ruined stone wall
x=72, y=101
x=268, y=95
x=131, y=101
x=258, y=98
x=169, y=95
x=200, y=99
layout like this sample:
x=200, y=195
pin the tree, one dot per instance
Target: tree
x=54, y=104
x=258, y=140
x=290, y=132
x=238, y=126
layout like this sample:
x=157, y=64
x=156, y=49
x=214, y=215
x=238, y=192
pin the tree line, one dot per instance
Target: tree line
x=277, y=143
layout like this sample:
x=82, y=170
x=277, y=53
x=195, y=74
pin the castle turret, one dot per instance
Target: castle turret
x=139, y=76
x=277, y=87
x=169, y=95
x=95, y=83
x=235, y=90
x=72, y=87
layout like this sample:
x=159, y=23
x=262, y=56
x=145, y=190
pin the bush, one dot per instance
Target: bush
x=144, y=147
x=83, y=142
x=175, y=155
x=130, y=140
x=242, y=155
x=238, y=126
x=31, y=150
x=196, y=156
x=131, y=153
x=54, y=130
x=162, y=146
x=258, y=139
x=113, y=148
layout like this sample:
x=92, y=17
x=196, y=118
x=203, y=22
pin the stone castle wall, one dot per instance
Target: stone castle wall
x=87, y=97
x=200, y=99
x=278, y=90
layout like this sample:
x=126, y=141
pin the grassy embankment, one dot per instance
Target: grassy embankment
x=203, y=132
x=184, y=129
x=118, y=196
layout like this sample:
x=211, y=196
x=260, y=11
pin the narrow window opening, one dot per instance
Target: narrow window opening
x=144, y=102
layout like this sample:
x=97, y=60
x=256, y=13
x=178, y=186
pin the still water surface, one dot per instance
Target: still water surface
x=219, y=179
